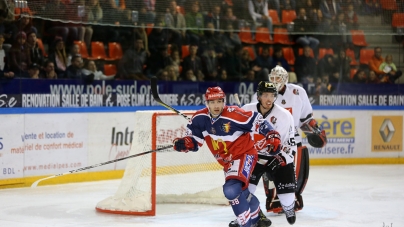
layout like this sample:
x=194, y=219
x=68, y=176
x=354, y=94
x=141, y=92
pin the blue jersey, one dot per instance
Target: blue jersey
x=229, y=135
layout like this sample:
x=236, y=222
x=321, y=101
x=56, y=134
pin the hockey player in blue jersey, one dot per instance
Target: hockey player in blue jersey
x=227, y=131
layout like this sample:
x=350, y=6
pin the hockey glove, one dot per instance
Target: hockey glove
x=277, y=162
x=271, y=143
x=315, y=137
x=274, y=142
x=185, y=144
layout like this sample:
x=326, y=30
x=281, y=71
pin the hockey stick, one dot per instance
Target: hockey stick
x=237, y=100
x=99, y=164
x=157, y=98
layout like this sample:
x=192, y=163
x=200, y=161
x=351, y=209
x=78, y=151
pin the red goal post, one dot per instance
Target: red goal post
x=164, y=177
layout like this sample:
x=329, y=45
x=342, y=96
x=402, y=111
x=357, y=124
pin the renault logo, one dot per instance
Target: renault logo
x=390, y=130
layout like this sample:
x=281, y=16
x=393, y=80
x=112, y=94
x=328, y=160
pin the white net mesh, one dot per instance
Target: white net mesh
x=130, y=13
x=194, y=177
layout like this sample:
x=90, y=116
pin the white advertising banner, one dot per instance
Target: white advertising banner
x=359, y=134
x=48, y=144
x=57, y=143
x=12, y=147
x=109, y=138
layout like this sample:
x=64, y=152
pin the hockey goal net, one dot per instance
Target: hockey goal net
x=166, y=176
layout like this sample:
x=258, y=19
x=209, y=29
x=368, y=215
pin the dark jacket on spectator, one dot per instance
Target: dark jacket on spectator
x=191, y=64
x=305, y=67
x=280, y=61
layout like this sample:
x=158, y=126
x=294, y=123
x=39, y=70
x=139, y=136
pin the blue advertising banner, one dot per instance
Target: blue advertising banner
x=73, y=93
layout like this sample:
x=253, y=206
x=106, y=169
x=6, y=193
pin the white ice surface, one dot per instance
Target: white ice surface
x=335, y=196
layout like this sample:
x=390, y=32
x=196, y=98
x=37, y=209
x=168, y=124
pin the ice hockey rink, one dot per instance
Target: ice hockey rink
x=335, y=196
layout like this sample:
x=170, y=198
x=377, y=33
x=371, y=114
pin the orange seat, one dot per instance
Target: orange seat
x=229, y=2
x=98, y=51
x=41, y=47
x=110, y=69
x=358, y=38
x=115, y=50
x=323, y=51
x=251, y=52
x=185, y=50
x=274, y=15
x=289, y=55
x=389, y=4
x=353, y=71
x=350, y=53
x=262, y=35
x=366, y=55
x=149, y=28
x=398, y=20
x=311, y=52
x=246, y=36
x=288, y=16
x=281, y=36
x=83, y=50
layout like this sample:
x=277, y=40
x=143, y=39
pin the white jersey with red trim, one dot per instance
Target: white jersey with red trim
x=282, y=121
x=229, y=135
x=294, y=98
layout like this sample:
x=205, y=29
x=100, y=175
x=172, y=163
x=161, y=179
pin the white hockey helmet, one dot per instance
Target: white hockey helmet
x=279, y=76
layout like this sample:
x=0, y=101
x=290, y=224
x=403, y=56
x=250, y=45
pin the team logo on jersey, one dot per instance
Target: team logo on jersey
x=273, y=120
x=295, y=91
x=283, y=101
x=213, y=130
x=226, y=127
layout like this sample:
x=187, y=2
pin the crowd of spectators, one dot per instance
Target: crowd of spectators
x=154, y=43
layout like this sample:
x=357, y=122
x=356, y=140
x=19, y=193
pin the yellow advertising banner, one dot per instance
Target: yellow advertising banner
x=387, y=133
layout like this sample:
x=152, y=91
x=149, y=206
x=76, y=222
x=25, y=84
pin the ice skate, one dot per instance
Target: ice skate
x=290, y=213
x=264, y=221
x=234, y=223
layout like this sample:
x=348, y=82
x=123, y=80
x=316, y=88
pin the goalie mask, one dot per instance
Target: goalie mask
x=215, y=93
x=279, y=76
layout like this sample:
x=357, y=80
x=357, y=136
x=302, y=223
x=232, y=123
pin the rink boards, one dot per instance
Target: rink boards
x=42, y=141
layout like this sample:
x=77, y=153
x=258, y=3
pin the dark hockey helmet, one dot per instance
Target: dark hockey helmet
x=265, y=86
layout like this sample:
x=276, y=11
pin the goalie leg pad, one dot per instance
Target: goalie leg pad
x=272, y=202
x=302, y=168
x=302, y=174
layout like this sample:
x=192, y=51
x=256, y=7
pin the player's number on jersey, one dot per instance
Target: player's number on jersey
x=292, y=142
x=1, y=145
x=234, y=202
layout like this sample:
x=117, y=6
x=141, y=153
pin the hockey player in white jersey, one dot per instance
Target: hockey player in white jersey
x=279, y=167
x=294, y=99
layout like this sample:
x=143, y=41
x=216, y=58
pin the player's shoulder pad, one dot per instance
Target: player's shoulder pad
x=296, y=89
x=250, y=106
x=201, y=112
x=237, y=114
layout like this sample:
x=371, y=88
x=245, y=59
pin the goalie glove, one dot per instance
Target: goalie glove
x=271, y=142
x=277, y=162
x=185, y=144
x=315, y=136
